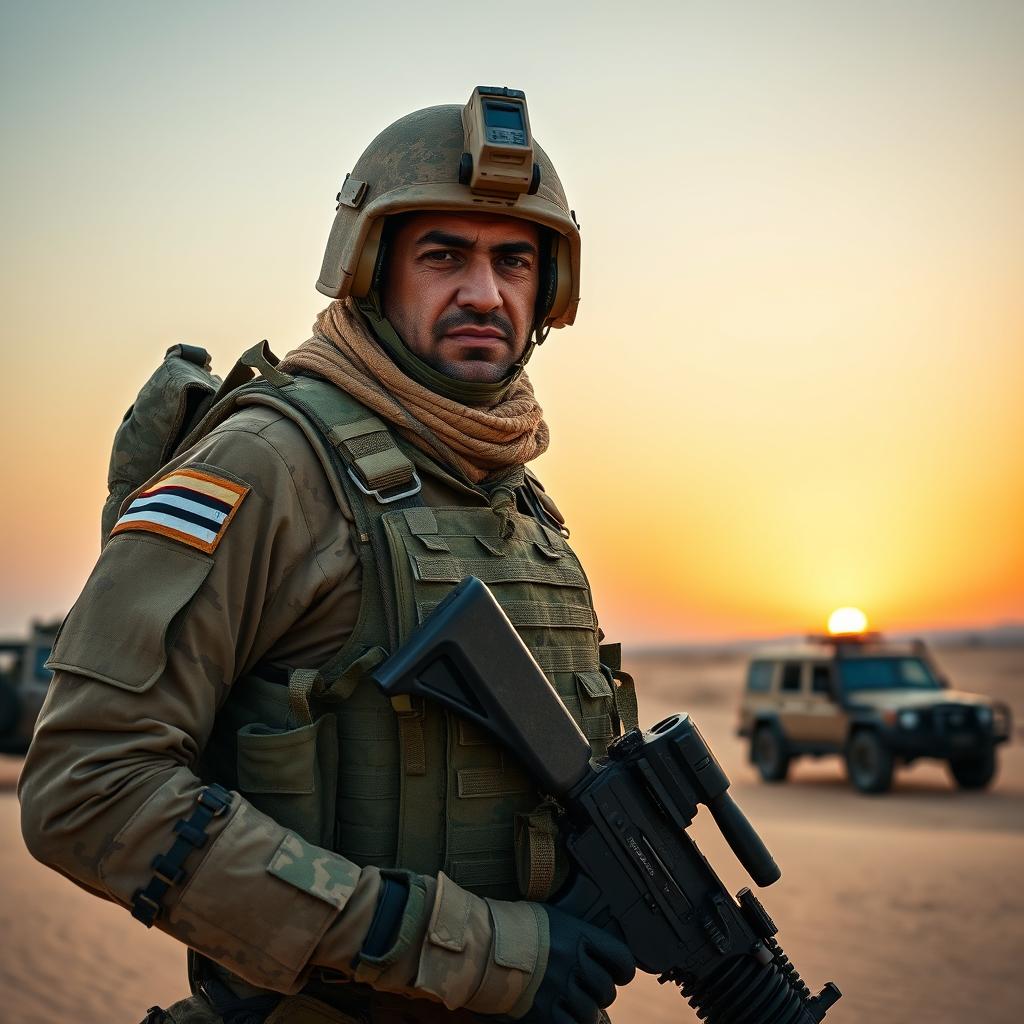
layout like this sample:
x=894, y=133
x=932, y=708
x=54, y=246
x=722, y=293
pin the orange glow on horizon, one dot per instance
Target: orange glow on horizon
x=794, y=379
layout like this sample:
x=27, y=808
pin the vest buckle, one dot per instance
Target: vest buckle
x=386, y=499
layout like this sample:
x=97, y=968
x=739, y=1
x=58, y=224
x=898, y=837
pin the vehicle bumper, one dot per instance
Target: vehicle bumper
x=949, y=733
x=958, y=745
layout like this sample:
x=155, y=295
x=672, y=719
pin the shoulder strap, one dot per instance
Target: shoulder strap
x=372, y=457
x=385, y=479
x=367, y=449
x=543, y=509
x=367, y=470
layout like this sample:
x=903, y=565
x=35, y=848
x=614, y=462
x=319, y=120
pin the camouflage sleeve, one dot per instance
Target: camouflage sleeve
x=453, y=947
x=237, y=556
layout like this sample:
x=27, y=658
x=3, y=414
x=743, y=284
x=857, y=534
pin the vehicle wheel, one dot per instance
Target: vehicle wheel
x=10, y=707
x=868, y=762
x=974, y=772
x=769, y=754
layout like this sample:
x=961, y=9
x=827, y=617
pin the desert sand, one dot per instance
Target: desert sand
x=911, y=902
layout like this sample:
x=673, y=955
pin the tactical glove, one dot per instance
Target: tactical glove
x=584, y=966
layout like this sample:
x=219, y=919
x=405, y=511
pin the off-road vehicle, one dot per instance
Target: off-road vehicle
x=876, y=703
x=23, y=685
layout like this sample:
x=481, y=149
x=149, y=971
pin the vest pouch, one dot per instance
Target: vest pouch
x=597, y=706
x=292, y=775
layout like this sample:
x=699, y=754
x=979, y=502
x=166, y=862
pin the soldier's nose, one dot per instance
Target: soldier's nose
x=479, y=289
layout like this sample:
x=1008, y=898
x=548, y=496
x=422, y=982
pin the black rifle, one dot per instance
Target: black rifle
x=625, y=819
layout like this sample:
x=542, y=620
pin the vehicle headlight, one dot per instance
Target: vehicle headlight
x=984, y=715
x=909, y=719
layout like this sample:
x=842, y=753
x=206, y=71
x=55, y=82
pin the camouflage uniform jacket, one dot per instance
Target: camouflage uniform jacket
x=169, y=627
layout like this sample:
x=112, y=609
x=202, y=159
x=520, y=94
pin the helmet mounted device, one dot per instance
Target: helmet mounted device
x=498, y=160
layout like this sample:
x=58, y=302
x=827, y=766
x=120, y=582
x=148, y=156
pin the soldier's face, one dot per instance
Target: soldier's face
x=460, y=290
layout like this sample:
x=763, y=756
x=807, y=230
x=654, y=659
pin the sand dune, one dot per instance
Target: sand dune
x=912, y=902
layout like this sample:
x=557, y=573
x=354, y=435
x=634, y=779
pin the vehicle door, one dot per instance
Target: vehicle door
x=791, y=702
x=824, y=720
x=757, y=694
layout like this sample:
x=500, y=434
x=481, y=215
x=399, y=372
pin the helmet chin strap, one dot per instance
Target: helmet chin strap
x=468, y=392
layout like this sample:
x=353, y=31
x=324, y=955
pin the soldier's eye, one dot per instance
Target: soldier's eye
x=440, y=256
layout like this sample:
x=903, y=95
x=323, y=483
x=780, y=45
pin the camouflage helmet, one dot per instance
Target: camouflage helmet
x=420, y=163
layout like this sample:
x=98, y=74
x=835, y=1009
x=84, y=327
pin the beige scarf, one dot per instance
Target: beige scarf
x=478, y=441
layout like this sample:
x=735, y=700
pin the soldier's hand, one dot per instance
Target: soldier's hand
x=585, y=964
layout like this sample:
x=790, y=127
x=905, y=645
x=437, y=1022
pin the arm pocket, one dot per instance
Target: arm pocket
x=291, y=775
x=127, y=616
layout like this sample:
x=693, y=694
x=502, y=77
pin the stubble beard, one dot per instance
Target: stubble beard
x=485, y=370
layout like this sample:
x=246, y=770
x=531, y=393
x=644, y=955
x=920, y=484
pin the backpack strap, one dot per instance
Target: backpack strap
x=258, y=359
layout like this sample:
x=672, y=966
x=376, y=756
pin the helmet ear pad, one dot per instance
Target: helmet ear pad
x=547, y=286
x=560, y=278
x=367, y=270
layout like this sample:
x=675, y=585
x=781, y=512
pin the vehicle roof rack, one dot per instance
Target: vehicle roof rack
x=838, y=639
x=862, y=643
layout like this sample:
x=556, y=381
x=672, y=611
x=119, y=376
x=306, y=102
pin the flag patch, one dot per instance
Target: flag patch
x=187, y=505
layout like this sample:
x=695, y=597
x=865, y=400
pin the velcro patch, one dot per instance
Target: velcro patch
x=188, y=506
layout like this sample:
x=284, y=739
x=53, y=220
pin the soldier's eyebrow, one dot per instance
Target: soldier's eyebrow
x=437, y=237
x=512, y=248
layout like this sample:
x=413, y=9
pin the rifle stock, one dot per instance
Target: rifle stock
x=468, y=657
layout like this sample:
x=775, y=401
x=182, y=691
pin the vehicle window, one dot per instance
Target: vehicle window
x=887, y=674
x=759, y=678
x=791, y=676
x=821, y=679
x=915, y=672
x=7, y=664
x=10, y=665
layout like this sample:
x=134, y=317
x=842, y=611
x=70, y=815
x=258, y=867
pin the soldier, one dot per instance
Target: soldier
x=212, y=755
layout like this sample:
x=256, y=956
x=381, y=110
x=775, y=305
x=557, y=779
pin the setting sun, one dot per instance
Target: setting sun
x=847, y=620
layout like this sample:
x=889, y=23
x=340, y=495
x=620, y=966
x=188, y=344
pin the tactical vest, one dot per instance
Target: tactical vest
x=406, y=783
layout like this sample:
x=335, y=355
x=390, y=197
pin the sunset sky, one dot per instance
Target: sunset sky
x=797, y=376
